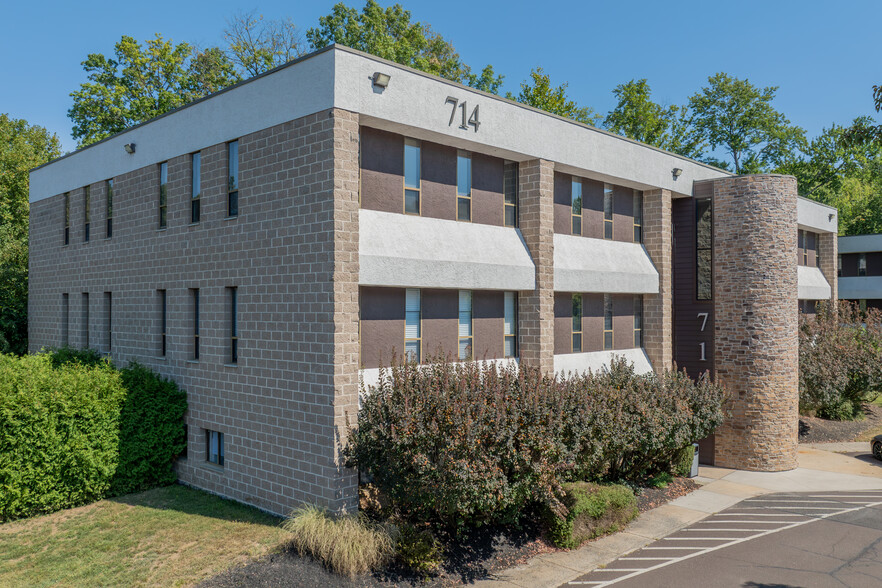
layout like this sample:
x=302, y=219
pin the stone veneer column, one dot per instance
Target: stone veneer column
x=536, y=222
x=755, y=307
x=658, y=309
x=345, y=279
x=829, y=246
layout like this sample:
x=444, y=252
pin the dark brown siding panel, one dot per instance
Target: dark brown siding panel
x=592, y=209
x=623, y=321
x=850, y=265
x=440, y=309
x=874, y=264
x=487, y=197
x=563, y=207
x=382, y=170
x=623, y=214
x=592, y=322
x=563, y=323
x=487, y=320
x=439, y=181
x=382, y=325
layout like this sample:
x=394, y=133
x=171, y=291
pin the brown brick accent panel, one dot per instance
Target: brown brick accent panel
x=536, y=222
x=829, y=252
x=658, y=309
x=755, y=331
x=293, y=255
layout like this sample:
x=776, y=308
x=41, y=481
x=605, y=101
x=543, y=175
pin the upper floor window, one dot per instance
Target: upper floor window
x=163, y=195
x=862, y=264
x=196, y=186
x=194, y=293
x=465, y=325
x=802, y=248
x=577, y=323
x=638, y=216
x=108, y=209
x=67, y=218
x=576, y=200
x=463, y=186
x=839, y=266
x=703, y=249
x=234, y=325
x=412, y=325
x=87, y=217
x=510, y=324
x=607, y=322
x=163, y=323
x=233, y=178
x=607, y=211
x=510, y=177
x=412, y=176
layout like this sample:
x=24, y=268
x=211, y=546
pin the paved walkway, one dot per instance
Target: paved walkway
x=819, y=471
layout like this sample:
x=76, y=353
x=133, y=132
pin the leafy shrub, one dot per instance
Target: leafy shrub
x=840, y=360
x=71, y=355
x=347, y=544
x=592, y=511
x=472, y=443
x=683, y=461
x=418, y=549
x=59, y=434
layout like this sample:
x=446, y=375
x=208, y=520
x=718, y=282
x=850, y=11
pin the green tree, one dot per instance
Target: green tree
x=141, y=83
x=390, y=34
x=22, y=147
x=668, y=127
x=541, y=94
x=738, y=117
x=864, y=130
x=257, y=45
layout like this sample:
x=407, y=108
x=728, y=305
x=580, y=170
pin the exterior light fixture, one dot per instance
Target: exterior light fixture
x=130, y=148
x=831, y=216
x=677, y=172
x=381, y=80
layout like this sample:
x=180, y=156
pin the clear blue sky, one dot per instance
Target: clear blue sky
x=824, y=55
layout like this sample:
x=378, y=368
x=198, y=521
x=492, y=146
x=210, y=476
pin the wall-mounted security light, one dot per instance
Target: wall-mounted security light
x=381, y=80
x=677, y=172
x=831, y=216
x=130, y=148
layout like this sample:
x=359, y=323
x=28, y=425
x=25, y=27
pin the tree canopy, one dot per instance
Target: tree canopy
x=542, y=94
x=256, y=45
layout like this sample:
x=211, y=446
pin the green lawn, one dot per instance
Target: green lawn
x=171, y=536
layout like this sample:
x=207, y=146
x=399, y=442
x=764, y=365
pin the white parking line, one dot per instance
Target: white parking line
x=726, y=530
x=741, y=522
x=750, y=514
x=679, y=548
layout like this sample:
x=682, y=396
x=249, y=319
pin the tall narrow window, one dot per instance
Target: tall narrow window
x=412, y=325
x=67, y=218
x=463, y=186
x=233, y=178
x=638, y=321
x=214, y=447
x=817, y=250
x=802, y=248
x=576, y=212
x=65, y=320
x=234, y=325
x=412, y=176
x=510, y=324
x=87, y=217
x=839, y=266
x=196, y=187
x=108, y=209
x=465, y=325
x=108, y=321
x=607, y=322
x=638, y=216
x=510, y=179
x=195, y=295
x=703, y=251
x=577, y=323
x=163, y=195
x=163, y=323
x=85, y=325
x=862, y=264
x=607, y=211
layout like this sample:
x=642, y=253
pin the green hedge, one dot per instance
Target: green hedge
x=592, y=511
x=74, y=429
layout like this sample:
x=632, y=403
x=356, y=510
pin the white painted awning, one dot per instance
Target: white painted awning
x=860, y=288
x=579, y=363
x=599, y=265
x=418, y=252
x=812, y=284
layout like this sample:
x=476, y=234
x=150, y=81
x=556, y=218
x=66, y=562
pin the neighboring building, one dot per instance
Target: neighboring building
x=271, y=244
x=860, y=270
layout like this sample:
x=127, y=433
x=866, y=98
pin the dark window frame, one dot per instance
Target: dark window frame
x=108, y=208
x=233, y=179
x=216, y=459
x=234, y=325
x=163, y=323
x=195, y=187
x=87, y=213
x=67, y=218
x=163, y=195
x=608, y=334
x=577, y=312
x=510, y=179
x=699, y=203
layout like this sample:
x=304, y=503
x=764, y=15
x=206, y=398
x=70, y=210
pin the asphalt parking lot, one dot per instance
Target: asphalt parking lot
x=785, y=540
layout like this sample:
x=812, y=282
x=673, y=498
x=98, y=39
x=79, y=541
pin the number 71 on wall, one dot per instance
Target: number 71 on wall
x=471, y=120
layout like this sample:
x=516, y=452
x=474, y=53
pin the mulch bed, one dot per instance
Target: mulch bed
x=476, y=556
x=815, y=430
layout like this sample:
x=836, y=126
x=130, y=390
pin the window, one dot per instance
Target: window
x=802, y=252
x=412, y=177
x=67, y=218
x=862, y=304
x=839, y=266
x=108, y=209
x=233, y=178
x=163, y=195
x=638, y=216
x=576, y=201
x=195, y=295
x=703, y=252
x=463, y=186
x=163, y=323
x=638, y=321
x=577, y=323
x=214, y=447
x=465, y=325
x=862, y=264
x=196, y=187
x=510, y=324
x=87, y=217
x=607, y=211
x=607, y=322
x=412, y=325
x=234, y=325
x=510, y=178
x=85, y=320
x=108, y=321
x=817, y=250
x=65, y=320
